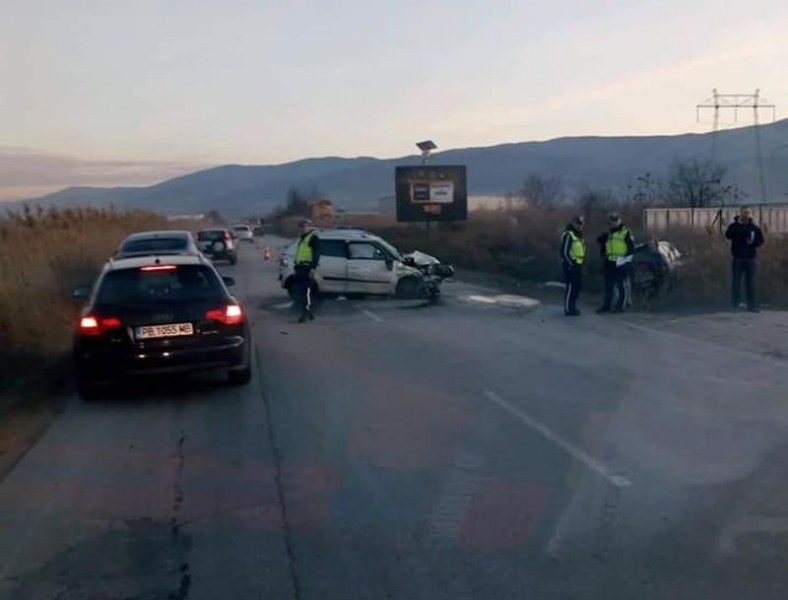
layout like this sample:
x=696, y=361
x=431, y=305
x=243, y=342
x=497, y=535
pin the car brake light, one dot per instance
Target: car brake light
x=91, y=325
x=232, y=314
x=227, y=236
x=154, y=268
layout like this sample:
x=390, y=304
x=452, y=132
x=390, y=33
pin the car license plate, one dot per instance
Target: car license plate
x=148, y=332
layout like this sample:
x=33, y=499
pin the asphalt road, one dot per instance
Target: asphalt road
x=467, y=450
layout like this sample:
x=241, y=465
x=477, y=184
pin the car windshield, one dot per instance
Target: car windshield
x=395, y=254
x=167, y=282
x=153, y=245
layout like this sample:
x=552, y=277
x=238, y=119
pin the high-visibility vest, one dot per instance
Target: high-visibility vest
x=577, y=249
x=304, y=252
x=616, y=245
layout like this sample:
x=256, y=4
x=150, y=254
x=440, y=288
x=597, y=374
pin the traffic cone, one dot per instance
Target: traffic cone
x=267, y=253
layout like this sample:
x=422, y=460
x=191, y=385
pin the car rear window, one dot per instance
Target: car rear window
x=242, y=228
x=181, y=282
x=154, y=245
x=210, y=235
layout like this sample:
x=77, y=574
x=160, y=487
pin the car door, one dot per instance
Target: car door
x=332, y=269
x=367, y=270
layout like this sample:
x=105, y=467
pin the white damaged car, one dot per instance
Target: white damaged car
x=357, y=263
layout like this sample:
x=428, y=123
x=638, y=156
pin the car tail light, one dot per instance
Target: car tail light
x=232, y=314
x=93, y=325
x=227, y=236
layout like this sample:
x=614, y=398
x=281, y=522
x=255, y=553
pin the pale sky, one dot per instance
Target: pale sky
x=160, y=87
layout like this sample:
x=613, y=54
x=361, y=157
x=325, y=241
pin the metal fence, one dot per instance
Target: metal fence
x=771, y=217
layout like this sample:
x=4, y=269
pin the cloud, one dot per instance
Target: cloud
x=26, y=173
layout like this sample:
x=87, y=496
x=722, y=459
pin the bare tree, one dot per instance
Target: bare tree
x=541, y=191
x=697, y=183
x=591, y=201
x=646, y=190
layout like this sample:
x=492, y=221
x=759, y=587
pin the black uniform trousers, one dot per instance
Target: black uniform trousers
x=614, y=280
x=573, y=277
x=303, y=284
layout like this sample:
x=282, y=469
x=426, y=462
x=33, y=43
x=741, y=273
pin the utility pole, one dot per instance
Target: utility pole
x=736, y=102
x=426, y=147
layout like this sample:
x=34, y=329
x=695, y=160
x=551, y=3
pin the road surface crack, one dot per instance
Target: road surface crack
x=276, y=453
x=178, y=547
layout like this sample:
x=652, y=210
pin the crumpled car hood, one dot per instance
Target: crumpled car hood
x=421, y=259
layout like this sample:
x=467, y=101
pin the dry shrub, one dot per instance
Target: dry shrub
x=523, y=244
x=44, y=255
x=705, y=278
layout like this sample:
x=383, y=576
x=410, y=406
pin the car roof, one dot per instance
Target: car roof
x=346, y=234
x=136, y=262
x=158, y=234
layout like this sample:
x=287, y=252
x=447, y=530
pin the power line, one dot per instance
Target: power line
x=737, y=102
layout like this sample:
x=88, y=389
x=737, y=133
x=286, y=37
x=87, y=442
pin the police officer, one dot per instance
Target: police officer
x=573, y=254
x=616, y=245
x=307, y=257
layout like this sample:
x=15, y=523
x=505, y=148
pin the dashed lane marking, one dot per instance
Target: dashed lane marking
x=588, y=460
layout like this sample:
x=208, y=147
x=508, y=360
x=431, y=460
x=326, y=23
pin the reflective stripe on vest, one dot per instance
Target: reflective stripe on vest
x=616, y=245
x=304, y=252
x=577, y=249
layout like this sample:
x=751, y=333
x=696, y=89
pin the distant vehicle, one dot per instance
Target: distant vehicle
x=218, y=244
x=243, y=233
x=359, y=263
x=154, y=315
x=159, y=243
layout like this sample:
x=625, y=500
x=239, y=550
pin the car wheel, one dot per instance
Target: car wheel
x=240, y=377
x=409, y=288
x=233, y=259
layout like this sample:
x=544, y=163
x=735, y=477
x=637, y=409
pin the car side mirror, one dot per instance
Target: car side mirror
x=389, y=264
x=228, y=281
x=81, y=292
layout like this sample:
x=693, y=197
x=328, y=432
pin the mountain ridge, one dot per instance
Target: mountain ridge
x=608, y=162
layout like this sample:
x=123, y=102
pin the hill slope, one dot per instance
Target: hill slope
x=356, y=183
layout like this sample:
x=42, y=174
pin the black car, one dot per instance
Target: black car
x=159, y=315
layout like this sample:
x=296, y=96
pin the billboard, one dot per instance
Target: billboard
x=431, y=193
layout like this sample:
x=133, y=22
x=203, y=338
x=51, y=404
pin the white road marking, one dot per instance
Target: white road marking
x=372, y=316
x=509, y=300
x=588, y=460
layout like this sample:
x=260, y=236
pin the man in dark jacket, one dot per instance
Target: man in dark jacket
x=573, y=254
x=746, y=237
x=617, y=247
x=307, y=258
